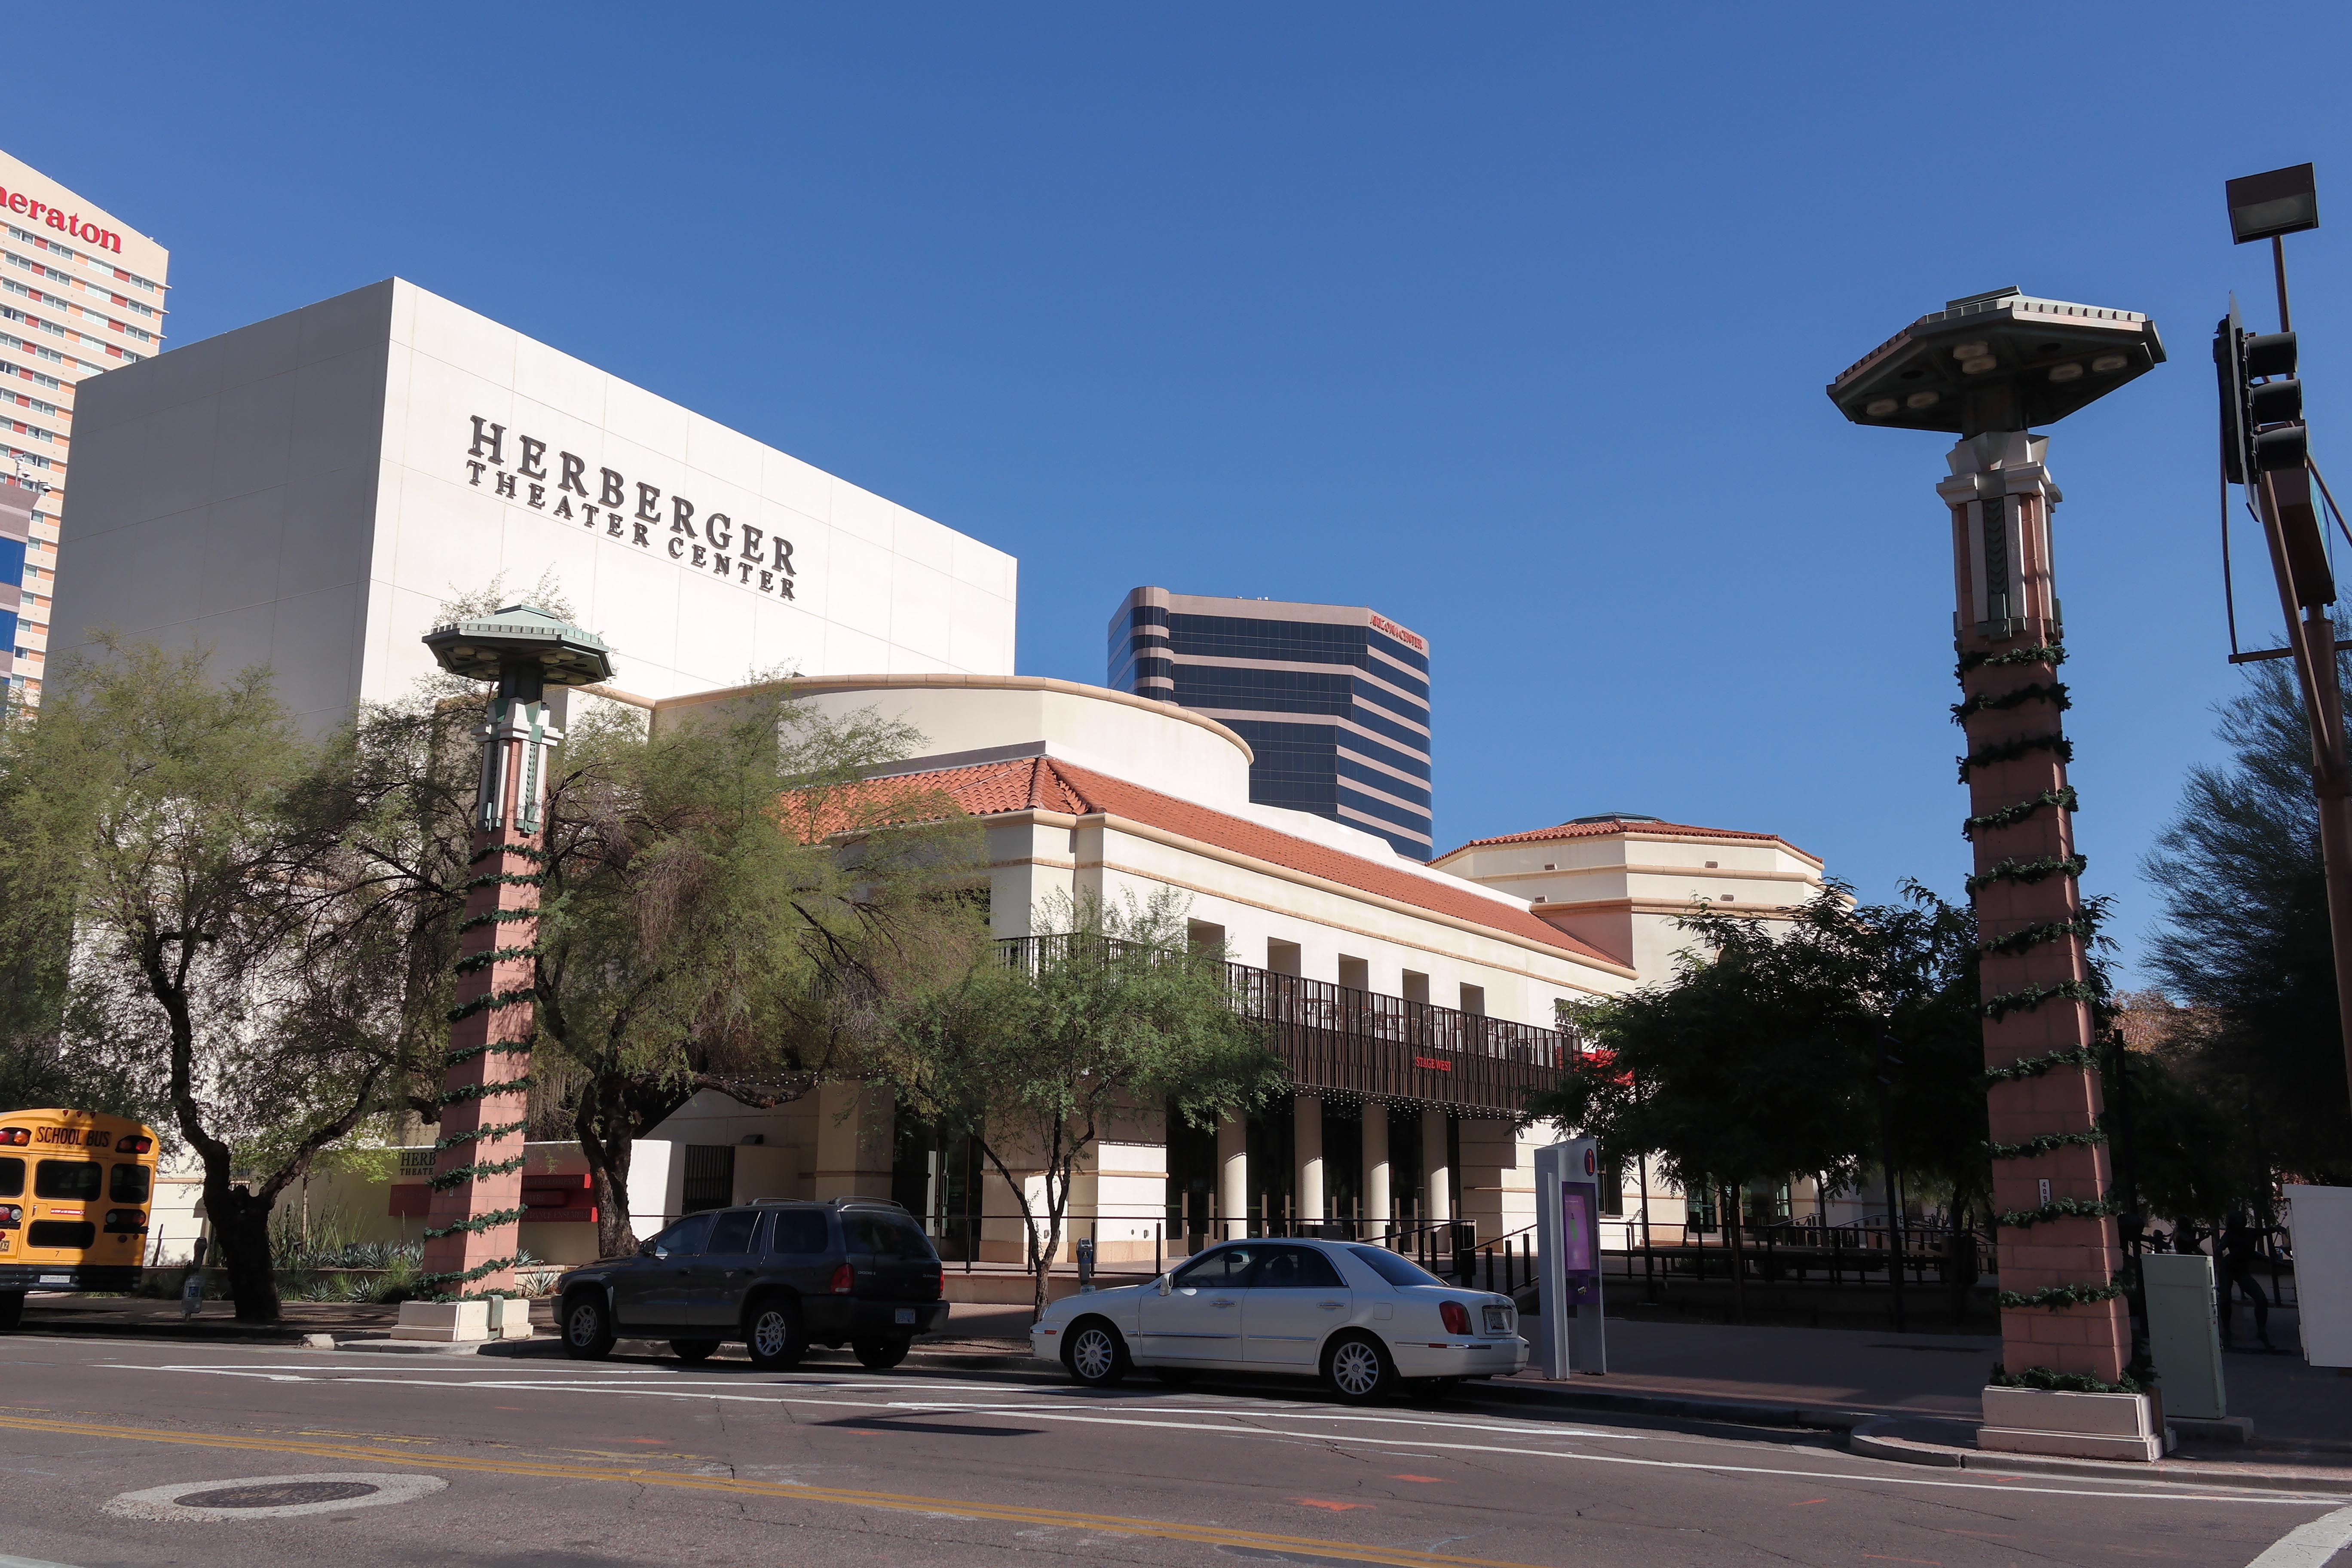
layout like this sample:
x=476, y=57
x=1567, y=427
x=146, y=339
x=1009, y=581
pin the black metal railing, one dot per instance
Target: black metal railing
x=1444, y=1247
x=1359, y=1044
x=1856, y=1252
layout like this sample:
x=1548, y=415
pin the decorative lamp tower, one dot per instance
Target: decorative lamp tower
x=1986, y=369
x=477, y=1187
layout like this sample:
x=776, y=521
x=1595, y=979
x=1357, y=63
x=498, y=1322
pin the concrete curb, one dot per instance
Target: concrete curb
x=1729, y=1412
x=1876, y=1439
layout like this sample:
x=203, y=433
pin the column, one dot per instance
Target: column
x=854, y=1145
x=1436, y=1180
x=1232, y=1176
x=1306, y=1149
x=471, y=1234
x=1377, y=1211
x=2038, y=1026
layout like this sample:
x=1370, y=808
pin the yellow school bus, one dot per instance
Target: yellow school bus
x=74, y=1191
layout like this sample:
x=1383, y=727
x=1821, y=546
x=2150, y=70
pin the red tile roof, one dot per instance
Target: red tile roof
x=1613, y=825
x=1046, y=784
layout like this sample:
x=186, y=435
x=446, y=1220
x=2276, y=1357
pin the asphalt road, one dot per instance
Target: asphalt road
x=497, y=1460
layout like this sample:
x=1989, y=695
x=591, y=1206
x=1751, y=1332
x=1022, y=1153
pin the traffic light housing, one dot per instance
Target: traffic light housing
x=2264, y=440
x=2262, y=430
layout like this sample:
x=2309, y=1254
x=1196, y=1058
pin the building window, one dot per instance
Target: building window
x=709, y=1177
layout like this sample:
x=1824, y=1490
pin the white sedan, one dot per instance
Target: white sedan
x=1360, y=1317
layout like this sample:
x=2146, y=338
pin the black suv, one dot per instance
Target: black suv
x=778, y=1275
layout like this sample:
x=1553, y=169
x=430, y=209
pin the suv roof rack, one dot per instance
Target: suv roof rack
x=826, y=1202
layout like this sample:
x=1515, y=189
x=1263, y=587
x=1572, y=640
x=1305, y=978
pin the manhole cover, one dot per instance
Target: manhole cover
x=271, y=1497
x=278, y=1494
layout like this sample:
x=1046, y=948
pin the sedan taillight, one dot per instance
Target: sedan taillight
x=843, y=1279
x=1456, y=1316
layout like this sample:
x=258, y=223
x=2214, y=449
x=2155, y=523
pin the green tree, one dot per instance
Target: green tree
x=2246, y=944
x=235, y=952
x=1763, y=1058
x=722, y=911
x=1031, y=1053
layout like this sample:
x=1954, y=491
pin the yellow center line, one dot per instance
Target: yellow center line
x=1116, y=1524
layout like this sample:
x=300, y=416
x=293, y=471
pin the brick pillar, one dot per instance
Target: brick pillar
x=2030, y=910
x=470, y=1232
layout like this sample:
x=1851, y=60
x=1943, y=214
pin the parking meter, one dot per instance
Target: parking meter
x=1571, y=1337
x=192, y=1293
x=1085, y=1267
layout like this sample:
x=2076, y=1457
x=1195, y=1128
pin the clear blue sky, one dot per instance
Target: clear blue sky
x=1510, y=322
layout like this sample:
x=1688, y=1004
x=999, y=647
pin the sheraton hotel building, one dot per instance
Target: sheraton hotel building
x=307, y=493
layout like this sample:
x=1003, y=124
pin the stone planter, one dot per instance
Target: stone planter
x=454, y=1322
x=2078, y=1425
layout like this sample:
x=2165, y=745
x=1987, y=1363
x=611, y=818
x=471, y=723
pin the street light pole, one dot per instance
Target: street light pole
x=2265, y=448
x=472, y=1228
x=1988, y=368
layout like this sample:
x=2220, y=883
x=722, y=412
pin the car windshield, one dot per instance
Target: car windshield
x=1395, y=1269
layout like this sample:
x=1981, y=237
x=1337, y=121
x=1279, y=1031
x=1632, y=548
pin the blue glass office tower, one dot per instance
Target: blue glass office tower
x=1333, y=698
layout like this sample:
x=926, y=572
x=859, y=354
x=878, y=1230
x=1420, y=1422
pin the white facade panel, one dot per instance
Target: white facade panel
x=307, y=493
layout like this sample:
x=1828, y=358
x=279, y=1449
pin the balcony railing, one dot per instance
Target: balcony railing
x=1361, y=1044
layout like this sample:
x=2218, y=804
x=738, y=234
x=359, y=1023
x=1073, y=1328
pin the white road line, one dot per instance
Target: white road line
x=2309, y=1546
x=7, y=1561
x=2147, y=1492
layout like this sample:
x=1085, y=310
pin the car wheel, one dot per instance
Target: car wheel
x=587, y=1327
x=11, y=1309
x=1357, y=1368
x=773, y=1332
x=1095, y=1354
x=881, y=1354
x=694, y=1350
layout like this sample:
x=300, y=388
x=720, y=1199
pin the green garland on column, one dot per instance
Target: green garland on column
x=2033, y=996
x=2054, y=1297
x=2085, y=926
x=2051, y=654
x=2010, y=816
x=2044, y=1143
x=2010, y=751
x=2051, y=691
x=495, y=917
x=2012, y=871
x=490, y=999
x=2035, y=1066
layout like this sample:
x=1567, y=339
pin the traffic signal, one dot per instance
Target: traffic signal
x=2262, y=433
x=2261, y=401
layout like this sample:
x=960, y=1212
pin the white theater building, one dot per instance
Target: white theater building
x=306, y=493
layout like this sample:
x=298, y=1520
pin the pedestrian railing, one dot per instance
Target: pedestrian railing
x=1362, y=1044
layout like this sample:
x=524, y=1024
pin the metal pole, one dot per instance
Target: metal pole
x=2312, y=639
x=2278, y=267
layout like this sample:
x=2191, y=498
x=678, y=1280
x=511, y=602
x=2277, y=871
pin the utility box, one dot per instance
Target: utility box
x=2184, y=1334
x=2319, y=1227
x=1571, y=1337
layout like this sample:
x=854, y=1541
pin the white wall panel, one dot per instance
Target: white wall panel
x=320, y=457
